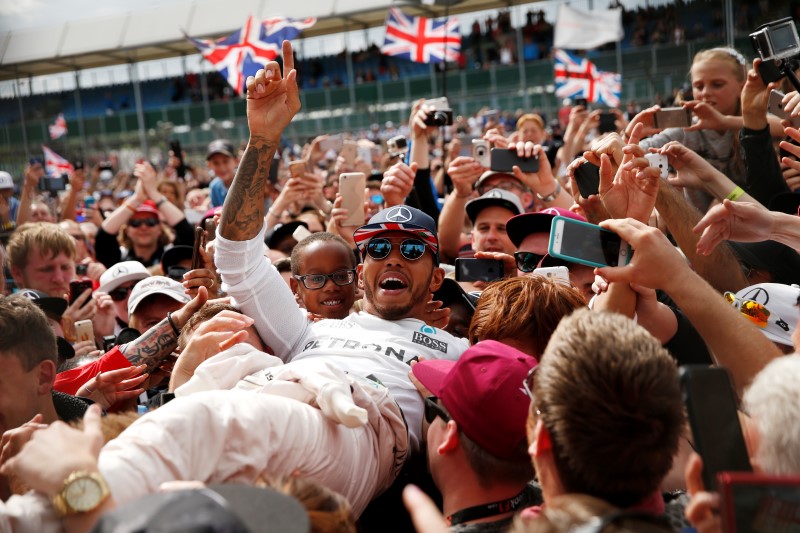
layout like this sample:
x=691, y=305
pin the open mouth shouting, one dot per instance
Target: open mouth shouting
x=392, y=283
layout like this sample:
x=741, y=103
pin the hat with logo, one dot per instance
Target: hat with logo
x=781, y=302
x=51, y=305
x=148, y=207
x=498, y=197
x=399, y=218
x=156, y=285
x=483, y=393
x=122, y=273
x=226, y=508
x=521, y=226
x=220, y=146
x=6, y=182
x=492, y=173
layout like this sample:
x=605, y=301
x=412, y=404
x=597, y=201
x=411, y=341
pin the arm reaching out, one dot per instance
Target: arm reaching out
x=272, y=102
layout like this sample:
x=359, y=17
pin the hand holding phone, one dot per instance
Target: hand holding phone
x=587, y=176
x=672, y=117
x=351, y=189
x=84, y=330
x=504, y=160
x=199, y=242
x=587, y=244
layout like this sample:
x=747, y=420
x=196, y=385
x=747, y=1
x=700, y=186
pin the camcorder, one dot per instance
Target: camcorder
x=397, y=146
x=778, y=45
x=441, y=115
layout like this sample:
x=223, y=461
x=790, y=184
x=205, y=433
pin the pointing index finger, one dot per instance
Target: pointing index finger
x=288, y=58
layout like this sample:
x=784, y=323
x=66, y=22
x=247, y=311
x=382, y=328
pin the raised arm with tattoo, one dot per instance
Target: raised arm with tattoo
x=272, y=102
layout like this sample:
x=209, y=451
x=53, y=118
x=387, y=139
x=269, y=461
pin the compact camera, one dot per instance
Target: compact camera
x=442, y=114
x=397, y=146
x=481, y=152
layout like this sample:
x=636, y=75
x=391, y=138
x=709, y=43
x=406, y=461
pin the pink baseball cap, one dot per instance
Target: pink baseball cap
x=483, y=393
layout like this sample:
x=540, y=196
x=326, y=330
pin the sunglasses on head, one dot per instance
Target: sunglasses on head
x=527, y=383
x=756, y=312
x=380, y=248
x=120, y=293
x=317, y=281
x=433, y=410
x=137, y=222
x=527, y=261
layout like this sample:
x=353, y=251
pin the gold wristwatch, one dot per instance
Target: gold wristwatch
x=82, y=492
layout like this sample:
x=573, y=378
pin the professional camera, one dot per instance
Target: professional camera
x=779, y=47
x=442, y=114
x=397, y=146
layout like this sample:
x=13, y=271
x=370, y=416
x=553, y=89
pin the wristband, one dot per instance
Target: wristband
x=552, y=196
x=735, y=194
x=271, y=213
x=161, y=202
x=171, y=323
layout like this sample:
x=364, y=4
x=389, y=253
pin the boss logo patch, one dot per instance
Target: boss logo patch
x=424, y=340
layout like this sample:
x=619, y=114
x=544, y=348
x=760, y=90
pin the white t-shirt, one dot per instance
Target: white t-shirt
x=361, y=344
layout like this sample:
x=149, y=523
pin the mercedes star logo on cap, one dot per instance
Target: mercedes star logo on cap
x=120, y=270
x=399, y=214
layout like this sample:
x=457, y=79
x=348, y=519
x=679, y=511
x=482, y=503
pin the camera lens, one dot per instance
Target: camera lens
x=439, y=118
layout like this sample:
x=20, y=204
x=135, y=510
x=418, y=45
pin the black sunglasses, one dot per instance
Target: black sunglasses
x=120, y=294
x=411, y=249
x=527, y=261
x=149, y=222
x=317, y=281
x=434, y=410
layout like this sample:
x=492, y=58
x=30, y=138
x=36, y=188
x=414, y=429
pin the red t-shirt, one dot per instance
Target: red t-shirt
x=70, y=381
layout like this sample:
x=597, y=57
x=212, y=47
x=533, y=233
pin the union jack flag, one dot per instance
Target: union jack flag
x=59, y=128
x=54, y=164
x=242, y=53
x=577, y=77
x=420, y=39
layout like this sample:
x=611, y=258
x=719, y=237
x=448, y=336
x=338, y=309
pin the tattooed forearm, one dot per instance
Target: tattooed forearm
x=152, y=347
x=243, y=211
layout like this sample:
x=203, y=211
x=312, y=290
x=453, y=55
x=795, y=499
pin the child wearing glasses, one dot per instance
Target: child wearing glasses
x=323, y=276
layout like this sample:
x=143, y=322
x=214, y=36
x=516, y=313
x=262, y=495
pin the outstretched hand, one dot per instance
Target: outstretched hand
x=736, y=221
x=273, y=99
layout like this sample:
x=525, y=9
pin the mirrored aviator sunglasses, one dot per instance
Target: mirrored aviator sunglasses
x=754, y=311
x=527, y=261
x=410, y=249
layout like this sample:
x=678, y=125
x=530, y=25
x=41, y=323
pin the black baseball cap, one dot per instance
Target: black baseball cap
x=521, y=226
x=51, y=305
x=399, y=218
x=220, y=146
x=274, y=237
x=175, y=255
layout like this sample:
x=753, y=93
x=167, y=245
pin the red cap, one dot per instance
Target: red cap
x=483, y=393
x=148, y=207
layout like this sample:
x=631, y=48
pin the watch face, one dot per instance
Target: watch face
x=83, y=494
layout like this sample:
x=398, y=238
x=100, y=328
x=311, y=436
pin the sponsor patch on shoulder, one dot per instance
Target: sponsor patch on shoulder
x=428, y=342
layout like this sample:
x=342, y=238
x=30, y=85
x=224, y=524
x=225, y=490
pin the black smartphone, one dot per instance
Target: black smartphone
x=608, y=122
x=711, y=405
x=582, y=102
x=587, y=176
x=503, y=160
x=478, y=269
x=109, y=341
x=177, y=151
x=81, y=269
x=77, y=164
x=199, y=242
x=78, y=287
x=55, y=184
x=273, y=170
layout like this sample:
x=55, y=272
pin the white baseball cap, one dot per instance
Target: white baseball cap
x=781, y=302
x=6, y=182
x=122, y=273
x=156, y=285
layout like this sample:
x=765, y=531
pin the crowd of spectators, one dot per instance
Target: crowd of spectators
x=293, y=335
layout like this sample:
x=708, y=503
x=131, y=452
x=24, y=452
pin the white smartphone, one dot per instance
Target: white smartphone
x=775, y=106
x=587, y=244
x=300, y=233
x=349, y=152
x=351, y=189
x=660, y=162
x=554, y=273
x=84, y=331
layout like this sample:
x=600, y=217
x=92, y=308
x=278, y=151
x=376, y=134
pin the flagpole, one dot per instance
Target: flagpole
x=444, y=44
x=22, y=119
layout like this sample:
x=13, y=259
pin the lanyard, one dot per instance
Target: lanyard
x=485, y=510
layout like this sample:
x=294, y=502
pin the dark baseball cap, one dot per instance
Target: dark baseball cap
x=274, y=237
x=399, y=218
x=220, y=146
x=498, y=197
x=51, y=305
x=521, y=226
x=172, y=256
